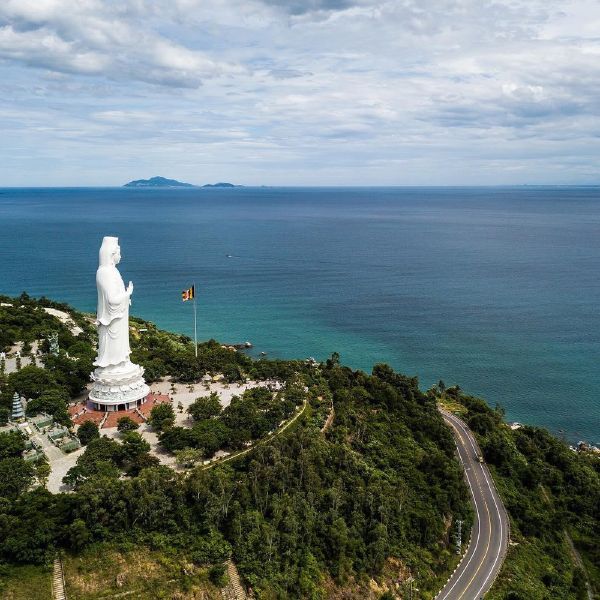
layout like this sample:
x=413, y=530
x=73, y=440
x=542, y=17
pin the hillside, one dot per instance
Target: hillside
x=344, y=503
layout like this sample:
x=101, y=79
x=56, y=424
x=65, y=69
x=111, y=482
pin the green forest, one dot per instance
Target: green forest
x=361, y=504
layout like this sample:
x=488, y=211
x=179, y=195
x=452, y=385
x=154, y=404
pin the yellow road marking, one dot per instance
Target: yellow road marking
x=458, y=426
x=475, y=547
x=488, y=540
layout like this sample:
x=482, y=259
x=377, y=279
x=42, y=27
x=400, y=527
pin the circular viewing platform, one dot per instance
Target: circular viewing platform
x=111, y=407
x=86, y=411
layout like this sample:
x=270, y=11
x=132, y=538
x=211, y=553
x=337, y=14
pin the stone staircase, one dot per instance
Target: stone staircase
x=58, y=581
x=234, y=589
x=103, y=420
x=329, y=420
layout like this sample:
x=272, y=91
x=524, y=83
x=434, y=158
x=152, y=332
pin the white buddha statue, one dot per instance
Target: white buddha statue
x=118, y=383
x=113, y=307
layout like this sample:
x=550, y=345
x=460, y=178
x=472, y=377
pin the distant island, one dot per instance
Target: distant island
x=163, y=182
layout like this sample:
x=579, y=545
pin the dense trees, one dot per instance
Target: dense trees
x=100, y=459
x=16, y=476
x=188, y=457
x=52, y=401
x=162, y=353
x=105, y=458
x=162, y=416
x=249, y=417
x=87, y=432
x=52, y=380
x=258, y=411
x=12, y=444
x=299, y=508
x=209, y=436
x=303, y=509
x=133, y=455
x=205, y=407
x=23, y=319
x=305, y=503
x=30, y=382
x=71, y=373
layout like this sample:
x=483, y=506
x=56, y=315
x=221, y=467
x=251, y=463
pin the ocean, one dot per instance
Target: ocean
x=495, y=289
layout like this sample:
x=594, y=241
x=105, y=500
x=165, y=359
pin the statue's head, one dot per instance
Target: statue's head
x=110, y=253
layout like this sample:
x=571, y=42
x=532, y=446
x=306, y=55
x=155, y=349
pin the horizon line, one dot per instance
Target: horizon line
x=315, y=186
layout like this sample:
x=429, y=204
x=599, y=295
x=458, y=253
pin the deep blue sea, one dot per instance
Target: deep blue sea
x=496, y=289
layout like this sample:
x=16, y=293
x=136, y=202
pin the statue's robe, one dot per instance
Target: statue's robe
x=112, y=317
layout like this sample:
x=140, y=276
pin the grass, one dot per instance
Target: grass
x=450, y=406
x=105, y=571
x=25, y=582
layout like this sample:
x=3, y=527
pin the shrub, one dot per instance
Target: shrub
x=218, y=575
x=126, y=424
x=205, y=407
x=87, y=432
x=162, y=416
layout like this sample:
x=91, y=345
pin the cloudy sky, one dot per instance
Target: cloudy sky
x=300, y=92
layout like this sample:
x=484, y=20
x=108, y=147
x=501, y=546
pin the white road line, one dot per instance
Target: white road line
x=459, y=424
x=501, y=536
x=476, y=540
x=489, y=539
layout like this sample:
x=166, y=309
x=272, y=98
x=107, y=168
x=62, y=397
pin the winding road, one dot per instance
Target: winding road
x=480, y=565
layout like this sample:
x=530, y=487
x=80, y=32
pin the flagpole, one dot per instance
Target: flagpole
x=195, y=328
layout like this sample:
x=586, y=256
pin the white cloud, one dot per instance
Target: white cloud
x=44, y=48
x=105, y=38
x=305, y=91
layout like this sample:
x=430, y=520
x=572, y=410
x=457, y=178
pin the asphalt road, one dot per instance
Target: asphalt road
x=489, y=536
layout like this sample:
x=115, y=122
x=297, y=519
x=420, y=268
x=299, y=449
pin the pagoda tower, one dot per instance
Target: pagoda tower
x=17, y=413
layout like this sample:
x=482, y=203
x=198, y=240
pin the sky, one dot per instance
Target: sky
x=300, y=92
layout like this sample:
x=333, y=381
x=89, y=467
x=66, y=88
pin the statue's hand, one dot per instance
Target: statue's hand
x=130, y=288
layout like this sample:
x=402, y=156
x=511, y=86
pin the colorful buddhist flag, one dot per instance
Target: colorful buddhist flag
x=188, y=294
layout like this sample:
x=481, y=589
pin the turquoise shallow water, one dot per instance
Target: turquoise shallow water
x=493, y=288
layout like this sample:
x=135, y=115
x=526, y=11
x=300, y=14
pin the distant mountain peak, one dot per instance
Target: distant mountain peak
x=158, y=182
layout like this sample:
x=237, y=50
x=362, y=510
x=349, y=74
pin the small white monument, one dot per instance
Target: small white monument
x=118, y=383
